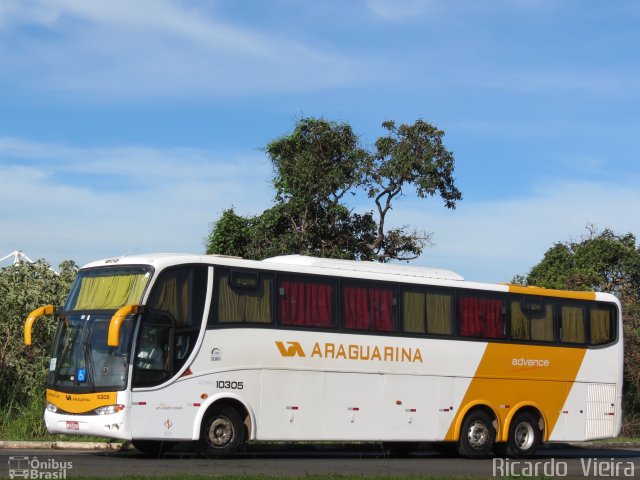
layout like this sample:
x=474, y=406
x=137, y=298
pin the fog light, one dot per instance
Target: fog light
x=51, y=408
x=109, y=409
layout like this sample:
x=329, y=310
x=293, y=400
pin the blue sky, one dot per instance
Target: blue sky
x=129, y=125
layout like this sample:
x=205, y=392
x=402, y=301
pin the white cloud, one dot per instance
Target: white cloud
x=144, y=48
x=53, y=203
x=495, y=240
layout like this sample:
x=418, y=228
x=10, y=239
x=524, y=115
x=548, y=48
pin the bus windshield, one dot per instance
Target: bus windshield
x=81, y=358
x=107, y=288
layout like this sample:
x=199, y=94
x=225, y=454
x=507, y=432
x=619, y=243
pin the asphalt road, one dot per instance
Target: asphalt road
x=291, y=461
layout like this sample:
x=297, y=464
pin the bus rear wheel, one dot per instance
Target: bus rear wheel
x=477, y=435
x=524, y=435
x=222, y=432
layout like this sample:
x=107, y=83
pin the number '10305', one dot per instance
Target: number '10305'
x=230, y=385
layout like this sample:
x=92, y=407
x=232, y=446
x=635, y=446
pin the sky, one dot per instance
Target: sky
x=128, y=126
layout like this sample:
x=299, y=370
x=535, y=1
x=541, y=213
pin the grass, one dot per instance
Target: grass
x=26, y=422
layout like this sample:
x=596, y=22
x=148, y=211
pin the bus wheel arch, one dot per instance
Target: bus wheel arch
x=225, y=425
x=478, y=431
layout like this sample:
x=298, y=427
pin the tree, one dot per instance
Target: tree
x=607, y=262
x=315, y=167
x=23, y=288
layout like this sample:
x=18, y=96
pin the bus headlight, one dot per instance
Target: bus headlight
x=109, y=409
x=51, y=408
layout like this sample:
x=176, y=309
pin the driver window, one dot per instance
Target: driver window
x=153, y=361
x=171, y=323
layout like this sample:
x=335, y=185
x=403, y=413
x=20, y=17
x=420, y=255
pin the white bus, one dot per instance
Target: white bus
x=214, y=350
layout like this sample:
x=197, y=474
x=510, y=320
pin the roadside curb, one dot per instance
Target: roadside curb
x=62, y=445
x=605, y=444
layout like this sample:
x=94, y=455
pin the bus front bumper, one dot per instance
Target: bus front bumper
x=115, y=425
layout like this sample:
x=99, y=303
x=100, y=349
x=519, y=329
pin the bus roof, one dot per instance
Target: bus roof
x=294, y=263
x=364, y=266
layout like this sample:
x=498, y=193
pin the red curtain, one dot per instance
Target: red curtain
x=368, y=308
x=480, y=317
x=305, y=303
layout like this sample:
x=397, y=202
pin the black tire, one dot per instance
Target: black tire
x=222, y=432
x=477, y=435
x=151, y=448
x=400, y=449
x=525, y=435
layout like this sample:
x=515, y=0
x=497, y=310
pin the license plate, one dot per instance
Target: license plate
x=73, y=426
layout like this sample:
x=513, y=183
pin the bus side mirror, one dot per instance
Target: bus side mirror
x=28, y=325
x=113, y=338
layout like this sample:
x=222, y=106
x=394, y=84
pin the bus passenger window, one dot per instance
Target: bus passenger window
x=241, y=299
x=368, y=308
x=602, y=327
x=427, y=312
x=480, y=316
x=181, y=292
x=532, y=319
x=414, y=312
x=572, y=323
x=305, y=302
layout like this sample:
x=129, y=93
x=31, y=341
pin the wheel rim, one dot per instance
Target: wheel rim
x=478, y=435
x=523, y=435
x=220, y=432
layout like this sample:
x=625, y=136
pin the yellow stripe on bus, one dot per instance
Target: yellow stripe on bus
x=551, y=293
x=510, y=377
x=80, y=402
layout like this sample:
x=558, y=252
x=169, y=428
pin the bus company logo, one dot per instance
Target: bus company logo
x=26, y=467
x=71, y=398
x=353, y=352
x=291, y=350
x=216, y=355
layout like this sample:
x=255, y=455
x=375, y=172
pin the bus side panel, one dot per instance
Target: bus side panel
x=571, y=421
x=593, y=409
x=290, y=405
x=163, y=414
x=409, y=406
x=352, y=406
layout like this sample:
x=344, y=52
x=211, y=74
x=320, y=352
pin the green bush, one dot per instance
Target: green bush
x=23, y=369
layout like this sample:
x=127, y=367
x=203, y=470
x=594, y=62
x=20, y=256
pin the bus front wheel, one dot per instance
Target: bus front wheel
x=477, y=435
x=222, y=432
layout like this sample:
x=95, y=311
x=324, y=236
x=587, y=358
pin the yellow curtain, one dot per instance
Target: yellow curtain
x=520, y=325
x=439, y=315
x=110, y=292
x=243, y=305
x=572, y=324
x=173, y=297
x=413, y=308
x=542, y=327
x=600, y=325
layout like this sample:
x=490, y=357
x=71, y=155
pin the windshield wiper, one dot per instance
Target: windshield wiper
x=88, y=361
